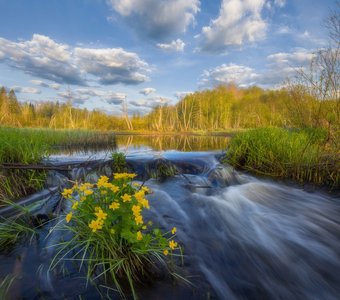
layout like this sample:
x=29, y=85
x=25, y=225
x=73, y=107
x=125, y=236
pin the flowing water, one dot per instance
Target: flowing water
x=243, y=237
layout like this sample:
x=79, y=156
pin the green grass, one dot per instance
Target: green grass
x=30, y=146
x=301, y=155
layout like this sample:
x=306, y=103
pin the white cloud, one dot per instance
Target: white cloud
x=79, y=96
x=112, y=65
x=300, y=57
x=238, y=22
x=231, y=73
x=176, y=45
x=54, y=86
x=150, y=102
x=280, y=66
x=147, y=91
x=44, y=58
x=157, y=19
x=25, y=90
x=280, y=3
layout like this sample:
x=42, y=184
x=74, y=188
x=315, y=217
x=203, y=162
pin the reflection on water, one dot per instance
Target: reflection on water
x=135, y=144
x=185, y=143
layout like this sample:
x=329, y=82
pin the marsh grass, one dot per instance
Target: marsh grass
x=301, y=155
x=31, y=146
x=107, y=235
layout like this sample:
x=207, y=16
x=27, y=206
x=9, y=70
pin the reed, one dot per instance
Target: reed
x=301, y=155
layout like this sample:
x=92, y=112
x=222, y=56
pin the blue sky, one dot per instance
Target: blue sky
x=148, y=52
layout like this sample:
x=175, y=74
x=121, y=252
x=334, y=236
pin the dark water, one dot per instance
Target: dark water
x=243, y=238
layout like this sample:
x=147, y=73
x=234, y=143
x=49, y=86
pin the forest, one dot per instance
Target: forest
x=223, y=108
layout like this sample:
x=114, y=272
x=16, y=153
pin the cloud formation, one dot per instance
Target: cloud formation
x=41, y=83
x=147, y=91
x=238, y=22
x=150, y=102
x=44, y=58
x=176, y=46
x=41, y=57
x=80, y=96
x=238, y=74
x=25, y=90
x=112, y=66
x=157, y=19
x=280, y=67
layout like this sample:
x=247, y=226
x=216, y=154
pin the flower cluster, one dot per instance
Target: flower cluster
x=115, y=208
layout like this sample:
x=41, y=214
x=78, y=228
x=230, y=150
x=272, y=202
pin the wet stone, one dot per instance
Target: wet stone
x=54, y=178
x=92, y=177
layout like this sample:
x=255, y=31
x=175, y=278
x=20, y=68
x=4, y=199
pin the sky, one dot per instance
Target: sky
x=99, y=53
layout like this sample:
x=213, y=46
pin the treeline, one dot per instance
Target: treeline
x=222, y=108
x=228, y=107
x=53, y=115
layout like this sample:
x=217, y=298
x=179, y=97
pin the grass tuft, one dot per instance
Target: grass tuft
x=301, y=155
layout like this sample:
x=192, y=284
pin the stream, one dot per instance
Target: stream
x=243, y=237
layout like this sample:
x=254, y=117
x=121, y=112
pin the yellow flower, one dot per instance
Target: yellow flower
x=124, y=175
x=139, y=236
x=136, y=184
x=139, y=195
x=114, y=205
x=172, y=244
x=67, y=193
x=69, y=217
x=82, y=198
x=145, y=203
x=166, y=252
x=103, y=192
x=95, y=225
x=174, y=230
x=144, y=227
x=114, y=188
x=75, y=205
x=88, y=192
x=101, y=215
x=102, y=181
x=112, y=231
x=139, y=220
x=85, y=186
x=126, y=197
x=136, y=210
x=145, y=189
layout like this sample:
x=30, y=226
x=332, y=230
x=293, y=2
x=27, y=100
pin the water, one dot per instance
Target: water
x=243, y=238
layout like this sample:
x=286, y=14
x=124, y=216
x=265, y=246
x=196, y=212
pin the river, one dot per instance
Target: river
x=243, y=237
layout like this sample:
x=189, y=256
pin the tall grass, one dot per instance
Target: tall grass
x=30, y=146
x=301, y=155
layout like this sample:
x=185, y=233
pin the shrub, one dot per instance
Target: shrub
x=109, y=233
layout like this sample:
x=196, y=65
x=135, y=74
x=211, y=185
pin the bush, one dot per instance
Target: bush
x=109, y=233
